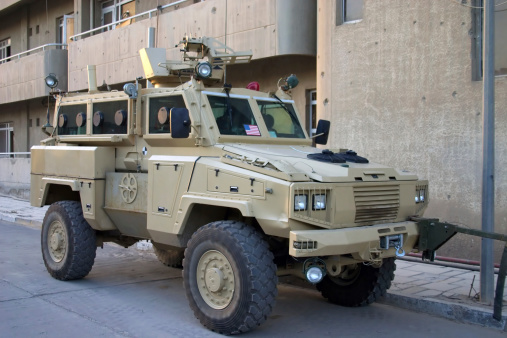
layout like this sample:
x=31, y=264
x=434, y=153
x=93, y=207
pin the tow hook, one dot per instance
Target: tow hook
x=393, y=241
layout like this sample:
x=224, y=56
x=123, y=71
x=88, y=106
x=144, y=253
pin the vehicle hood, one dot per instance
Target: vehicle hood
x=291, y=163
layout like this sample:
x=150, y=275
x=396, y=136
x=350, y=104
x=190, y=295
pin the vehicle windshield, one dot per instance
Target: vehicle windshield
x=280, y=118
x=233, y=115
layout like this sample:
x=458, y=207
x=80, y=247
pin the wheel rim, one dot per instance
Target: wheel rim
x=215, y=279
x=57, y=241
x=348, y=276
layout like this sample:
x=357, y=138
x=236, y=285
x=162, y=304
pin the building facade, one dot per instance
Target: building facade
x=62, y=37
x=401, y=83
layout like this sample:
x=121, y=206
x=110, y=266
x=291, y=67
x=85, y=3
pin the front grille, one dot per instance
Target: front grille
x=376, y=203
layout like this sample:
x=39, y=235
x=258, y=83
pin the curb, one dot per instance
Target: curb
x=23, y=221
x=458, y=312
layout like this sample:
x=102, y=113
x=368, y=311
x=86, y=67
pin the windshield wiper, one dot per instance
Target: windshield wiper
x=282, y=104
x=228, y=107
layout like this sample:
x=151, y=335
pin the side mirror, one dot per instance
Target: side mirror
x=322, y=131
x=180, y=123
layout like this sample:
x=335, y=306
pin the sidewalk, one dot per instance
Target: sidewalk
x=429, y=288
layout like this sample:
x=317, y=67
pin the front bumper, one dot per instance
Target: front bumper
x=360, y=242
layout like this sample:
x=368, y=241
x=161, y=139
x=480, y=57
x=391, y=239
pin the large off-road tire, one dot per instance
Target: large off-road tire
x=360, y=285
x=172, y=258
x=67, y=241
x=229, y=276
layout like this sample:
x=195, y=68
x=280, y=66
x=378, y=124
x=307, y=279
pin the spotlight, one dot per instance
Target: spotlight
x=51, y=81
x=203, y=70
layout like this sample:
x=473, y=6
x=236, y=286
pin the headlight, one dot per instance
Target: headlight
x=300, y=202
x=314, y=274
x=319, y=202
x=420, y=194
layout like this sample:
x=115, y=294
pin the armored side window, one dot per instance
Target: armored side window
x=280, y=119
x=110, y=117
x=72, y=119
x=159, y=110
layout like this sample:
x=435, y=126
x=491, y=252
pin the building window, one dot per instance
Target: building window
x=500, y=38
x=312, y=112
x=64, y=29
x=5, y=50
x=115, y=10
x=6, y=139
x=348, y=11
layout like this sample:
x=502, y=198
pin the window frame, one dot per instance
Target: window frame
x=9, y=138
x=147, y=110
x=477, y=40
x=342, y=7
x=5, y=50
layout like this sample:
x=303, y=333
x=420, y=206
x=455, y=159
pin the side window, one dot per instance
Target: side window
x=110, y=117
x=72, y=119
x=159, y=112
x=280, y=119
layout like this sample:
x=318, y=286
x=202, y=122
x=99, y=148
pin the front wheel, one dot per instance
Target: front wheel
x=359, y=284
x=229, y=276
x=67, y=241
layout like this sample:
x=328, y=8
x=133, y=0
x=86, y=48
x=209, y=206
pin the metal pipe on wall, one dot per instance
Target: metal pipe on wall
x=488, y=146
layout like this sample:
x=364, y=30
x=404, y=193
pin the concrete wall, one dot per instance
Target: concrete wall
x=15, y=177
x=23, y=79
x=19, y=114
x=250, y=25
x=397, y=88
x=16, y=23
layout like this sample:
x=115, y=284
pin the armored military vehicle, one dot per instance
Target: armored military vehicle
x=225, y=182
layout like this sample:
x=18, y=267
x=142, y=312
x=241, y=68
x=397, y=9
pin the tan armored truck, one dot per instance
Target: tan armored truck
x=225, y=183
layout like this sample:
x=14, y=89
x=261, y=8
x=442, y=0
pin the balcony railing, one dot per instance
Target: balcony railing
x=111, y=25
x=16, y=154
x=36, y=49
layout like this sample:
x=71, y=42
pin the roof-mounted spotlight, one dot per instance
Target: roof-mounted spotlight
x=291, y=81
x=203, y=70
x=51, y=81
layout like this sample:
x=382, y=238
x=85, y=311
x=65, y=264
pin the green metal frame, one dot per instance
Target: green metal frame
x=433, y=234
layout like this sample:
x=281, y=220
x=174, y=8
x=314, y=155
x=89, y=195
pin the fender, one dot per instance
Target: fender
x=187, y=201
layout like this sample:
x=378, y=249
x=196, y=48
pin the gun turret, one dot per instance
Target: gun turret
x=203, y=58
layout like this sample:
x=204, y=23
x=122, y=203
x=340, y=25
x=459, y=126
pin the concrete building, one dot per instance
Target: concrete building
x=62, y=37
x=401, y=83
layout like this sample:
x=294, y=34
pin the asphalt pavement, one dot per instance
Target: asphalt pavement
x=440, y=291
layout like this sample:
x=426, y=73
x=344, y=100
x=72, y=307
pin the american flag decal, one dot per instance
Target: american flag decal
x=252, y=130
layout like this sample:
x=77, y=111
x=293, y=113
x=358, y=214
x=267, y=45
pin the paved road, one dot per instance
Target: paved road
x=130, y=294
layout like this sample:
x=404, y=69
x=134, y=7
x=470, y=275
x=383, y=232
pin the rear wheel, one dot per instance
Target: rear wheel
x=229, y=276
x=67, y=241
x=358, y=285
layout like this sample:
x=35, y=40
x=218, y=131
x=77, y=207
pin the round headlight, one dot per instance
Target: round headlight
x=203, y=70
x=314, y=274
